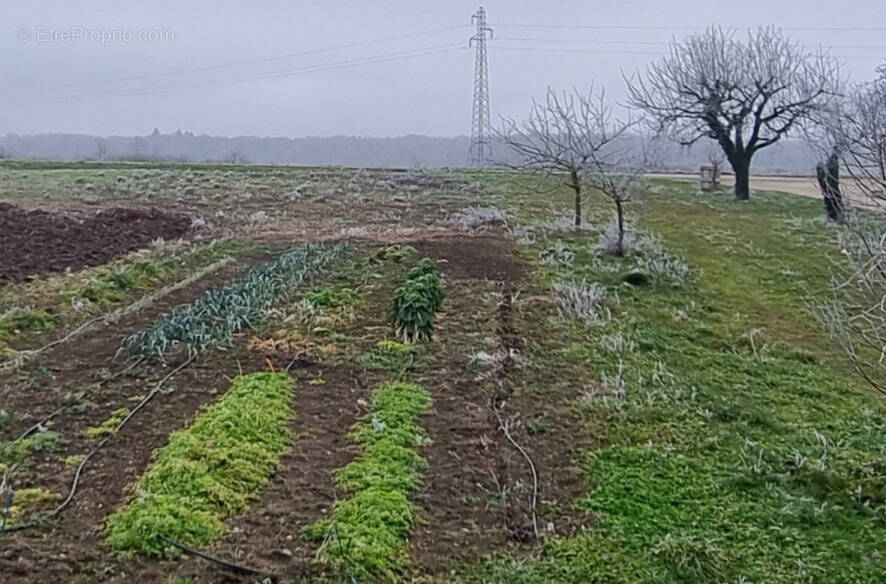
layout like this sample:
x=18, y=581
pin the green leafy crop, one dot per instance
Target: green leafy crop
x=366, y=536
x=213, y=319
x=416, y=301
x=210, y=470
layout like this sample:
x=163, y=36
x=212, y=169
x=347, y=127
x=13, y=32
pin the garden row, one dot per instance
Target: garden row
x=210, y=471
x=28, y=309
x=212, y=320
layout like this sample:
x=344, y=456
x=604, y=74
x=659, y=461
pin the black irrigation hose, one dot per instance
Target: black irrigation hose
x=236, y=568
x=6, y=509
x=39, y=424
x=503, y=426
x=74, y=484
x=65, y=406
x=123, y=371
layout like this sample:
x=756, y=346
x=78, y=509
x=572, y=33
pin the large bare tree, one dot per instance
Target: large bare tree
x=744, y=94
x=569, y=137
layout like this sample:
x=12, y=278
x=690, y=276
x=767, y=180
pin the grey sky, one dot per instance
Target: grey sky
x=429, y=94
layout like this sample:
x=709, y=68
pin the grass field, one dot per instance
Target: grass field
x=674, y=416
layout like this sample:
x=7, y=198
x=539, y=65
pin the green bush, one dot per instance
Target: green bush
x=416, y=302
x=210, y=470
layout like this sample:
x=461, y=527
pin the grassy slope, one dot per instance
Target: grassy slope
x=726, y=461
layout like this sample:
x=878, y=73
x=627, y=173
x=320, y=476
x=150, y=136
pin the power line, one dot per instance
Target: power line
x=273, y=75
x=251, y=61
x=693, y=28
x=630, y=52
x=595, y=51
x=659, y=43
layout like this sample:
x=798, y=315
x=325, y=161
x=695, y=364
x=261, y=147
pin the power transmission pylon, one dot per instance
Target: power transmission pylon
x=481, y=148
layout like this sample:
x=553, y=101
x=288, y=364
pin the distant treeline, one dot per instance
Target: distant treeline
x=789, y=157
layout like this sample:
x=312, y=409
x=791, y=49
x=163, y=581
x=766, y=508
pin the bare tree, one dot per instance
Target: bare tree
x=621, y=181
x=745, y=95
x=863, y=132
x=101, y=148
x=563, y=136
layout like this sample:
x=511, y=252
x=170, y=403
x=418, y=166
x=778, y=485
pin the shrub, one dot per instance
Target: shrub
x=415, y=303
x=476, y=217
x=557, y=254
x=583, y=301
x=608, y=243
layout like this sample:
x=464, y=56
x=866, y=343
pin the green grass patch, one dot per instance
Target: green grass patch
x=109, y=426
x=390, y=355
x=329, y=306
x=366, y=535
x=29, y=501
x=17, y=451
x=730, y=445
x=21, y=321
x=210, y=470
x=111, y=284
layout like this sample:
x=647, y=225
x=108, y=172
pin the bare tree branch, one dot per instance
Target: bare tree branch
x=570, y=136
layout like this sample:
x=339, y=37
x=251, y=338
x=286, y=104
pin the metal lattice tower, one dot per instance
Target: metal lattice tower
x=481, y=129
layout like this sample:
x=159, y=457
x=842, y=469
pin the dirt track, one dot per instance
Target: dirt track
x=796, y=185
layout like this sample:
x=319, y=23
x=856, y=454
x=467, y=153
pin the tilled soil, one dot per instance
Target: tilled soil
x=461, y=519
x=485, y=257
x=71, y=546
x=38, y=242
x=470, y=460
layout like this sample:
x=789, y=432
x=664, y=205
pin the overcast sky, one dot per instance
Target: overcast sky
x=187, y=71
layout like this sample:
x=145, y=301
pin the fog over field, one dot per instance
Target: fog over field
x=789, y=157
x=379, y=69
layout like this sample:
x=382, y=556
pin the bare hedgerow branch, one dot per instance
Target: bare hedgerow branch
x=855, y=313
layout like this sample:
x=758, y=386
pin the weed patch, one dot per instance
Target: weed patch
x=109, y=426
x=366, y=535
x=210, y=470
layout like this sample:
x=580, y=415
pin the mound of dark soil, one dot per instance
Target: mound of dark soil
x=483, y=258
x=37, y=242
